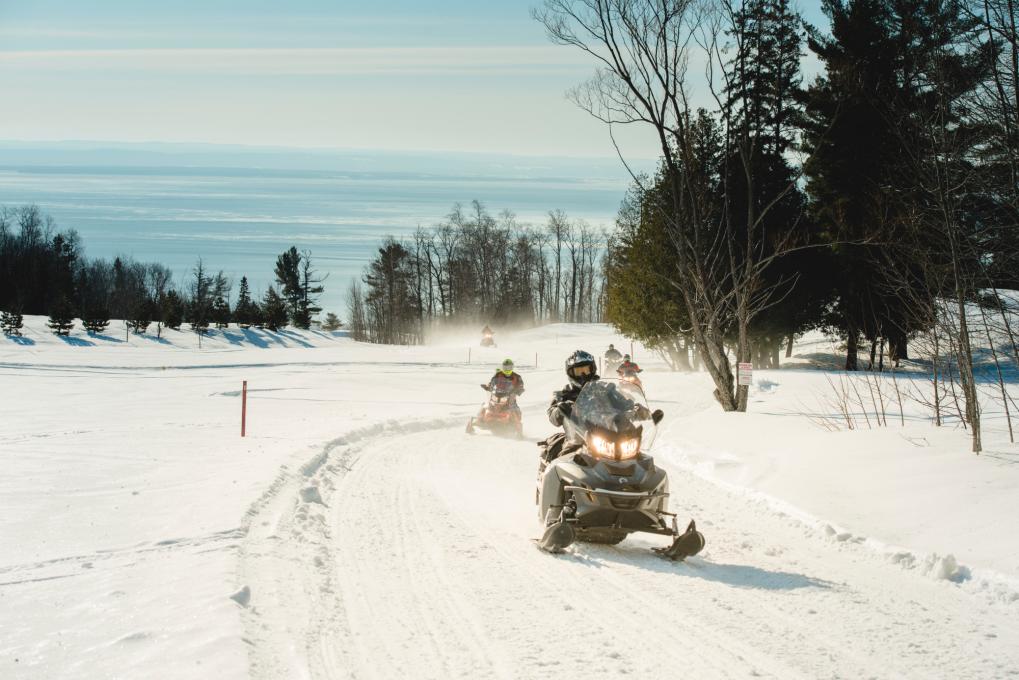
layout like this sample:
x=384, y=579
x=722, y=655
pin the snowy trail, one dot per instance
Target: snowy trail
x=406, y=552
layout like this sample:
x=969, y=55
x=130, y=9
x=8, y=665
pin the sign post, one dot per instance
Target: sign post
x=244, y=406
x=745, y=373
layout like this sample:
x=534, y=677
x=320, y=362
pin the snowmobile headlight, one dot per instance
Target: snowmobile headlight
x=601, y=446
x=628, y=448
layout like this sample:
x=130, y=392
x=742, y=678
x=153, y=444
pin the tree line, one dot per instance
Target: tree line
x=44, y=271
x=475, y=267
x=877, y=202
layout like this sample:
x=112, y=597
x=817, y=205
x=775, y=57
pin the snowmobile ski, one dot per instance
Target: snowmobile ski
x=688, y=544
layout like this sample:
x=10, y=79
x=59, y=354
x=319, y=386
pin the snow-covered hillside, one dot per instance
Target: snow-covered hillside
x=357, y=531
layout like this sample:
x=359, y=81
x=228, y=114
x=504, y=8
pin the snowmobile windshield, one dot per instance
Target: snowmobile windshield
x=615, y=418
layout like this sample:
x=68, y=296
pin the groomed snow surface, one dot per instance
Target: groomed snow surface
x=358, y=532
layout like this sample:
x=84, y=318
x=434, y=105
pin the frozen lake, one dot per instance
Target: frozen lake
x=239, y=219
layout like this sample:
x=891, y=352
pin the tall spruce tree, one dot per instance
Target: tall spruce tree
x=288, y=276
x=310, y=288
x=854, y=143
x=244, y=313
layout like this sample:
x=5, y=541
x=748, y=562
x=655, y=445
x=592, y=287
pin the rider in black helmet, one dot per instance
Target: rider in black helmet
x=580, y=369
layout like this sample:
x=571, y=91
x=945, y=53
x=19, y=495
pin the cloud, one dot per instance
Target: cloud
x=301, y=61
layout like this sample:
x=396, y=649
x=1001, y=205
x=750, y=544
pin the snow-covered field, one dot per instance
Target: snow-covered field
x=362, y=533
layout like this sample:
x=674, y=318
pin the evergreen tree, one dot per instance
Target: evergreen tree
x=332, y=323
x=866, y=124
x=173, y=310
x=288, y=276
x=95, y=319
x=244, y=313
x=310, y=289
x=11, y=323
x=60, y=281
x=199, y=307
x=220, y=310
x=142, y=313
x=391, y=306
x=61, y=319
x=274, y=310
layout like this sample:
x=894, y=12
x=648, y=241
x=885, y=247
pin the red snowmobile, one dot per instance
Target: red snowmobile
x=499, y=415
x=629, y=374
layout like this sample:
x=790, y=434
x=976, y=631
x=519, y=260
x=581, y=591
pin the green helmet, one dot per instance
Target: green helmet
x=507, y=366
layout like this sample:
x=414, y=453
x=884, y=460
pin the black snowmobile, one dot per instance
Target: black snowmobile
x=602, y=486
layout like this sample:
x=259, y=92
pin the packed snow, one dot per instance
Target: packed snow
x=358, y=531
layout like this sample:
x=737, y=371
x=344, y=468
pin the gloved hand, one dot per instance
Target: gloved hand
x=565, y=408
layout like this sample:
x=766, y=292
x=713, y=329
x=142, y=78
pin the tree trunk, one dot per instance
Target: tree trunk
x=851, y=349
x=789, y=347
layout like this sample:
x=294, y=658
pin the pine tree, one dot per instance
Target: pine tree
x=863, y=130
x=244, y=314
x=332, y=323
x=199, y=309
x=173, y=310
x=274, y=310
x=288, y=276
x=142, y=313
x=310, y=289
x=95, y=319
x=11, y=323
x=219, y=312
x=61, y=319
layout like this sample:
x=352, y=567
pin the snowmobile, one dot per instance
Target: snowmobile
x=499, y=415
x=610, y=365
x=487, y=339
x=602, y=486
x=631, y=378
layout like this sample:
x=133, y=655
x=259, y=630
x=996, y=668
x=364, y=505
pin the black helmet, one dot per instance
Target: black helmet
x=581, y=368
x=626, y=357
x=611, y=346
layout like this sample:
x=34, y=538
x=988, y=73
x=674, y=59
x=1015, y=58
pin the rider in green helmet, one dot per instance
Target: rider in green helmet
x=506, y=380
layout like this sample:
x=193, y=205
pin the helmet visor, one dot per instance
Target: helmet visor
x=581, y=370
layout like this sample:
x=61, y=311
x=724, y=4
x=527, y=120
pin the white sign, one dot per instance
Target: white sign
x=746, y=373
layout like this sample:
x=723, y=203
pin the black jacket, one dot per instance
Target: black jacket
x=569, y=395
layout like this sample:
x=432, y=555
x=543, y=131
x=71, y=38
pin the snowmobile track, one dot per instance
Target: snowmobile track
x=418, y=562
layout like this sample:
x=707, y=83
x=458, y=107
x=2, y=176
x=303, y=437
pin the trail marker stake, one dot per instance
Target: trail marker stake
x=244, y=406
x=468, y=355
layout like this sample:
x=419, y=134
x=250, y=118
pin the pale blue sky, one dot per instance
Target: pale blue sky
x=452, y=75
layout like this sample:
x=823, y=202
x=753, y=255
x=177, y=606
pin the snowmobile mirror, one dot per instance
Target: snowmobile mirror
x=657, y=415
x=486, y=387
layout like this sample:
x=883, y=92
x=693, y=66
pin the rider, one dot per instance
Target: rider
x=507, y=381
x=628, y=367
x=580, y=369
x=612, y=354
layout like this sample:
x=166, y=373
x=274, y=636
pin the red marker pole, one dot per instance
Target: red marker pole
x=244, y=406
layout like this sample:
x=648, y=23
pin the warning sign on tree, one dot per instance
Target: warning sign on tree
x=745, y=374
